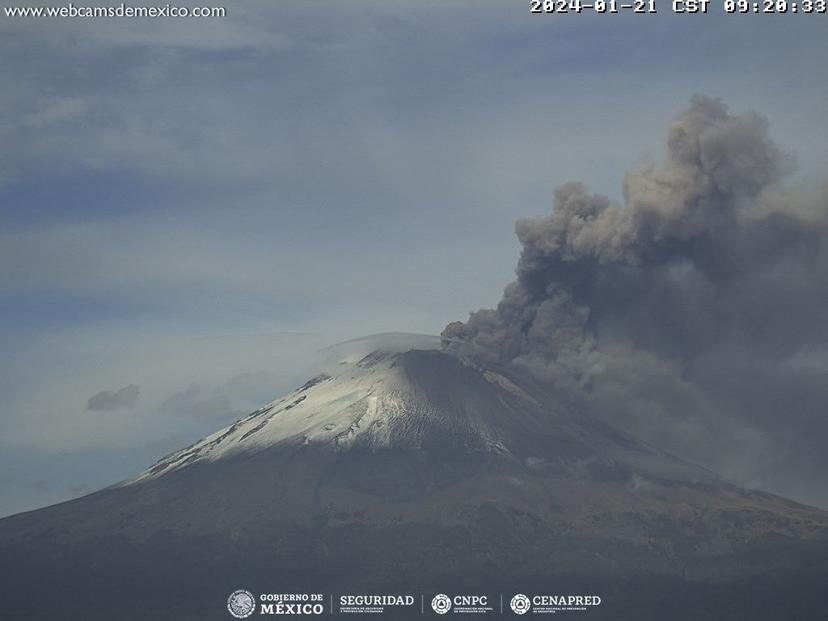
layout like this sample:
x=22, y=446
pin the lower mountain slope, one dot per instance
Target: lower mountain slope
x=412, y=471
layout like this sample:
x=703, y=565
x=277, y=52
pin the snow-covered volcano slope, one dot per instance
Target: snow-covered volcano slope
x=388, y=434
x=394, y=398
x=407, y=469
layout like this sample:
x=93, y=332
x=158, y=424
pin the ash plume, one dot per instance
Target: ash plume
x=695, y=313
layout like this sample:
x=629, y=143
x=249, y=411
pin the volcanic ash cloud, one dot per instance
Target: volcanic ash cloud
x=683, y=311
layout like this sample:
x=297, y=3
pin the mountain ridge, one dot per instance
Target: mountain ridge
x=412, y=469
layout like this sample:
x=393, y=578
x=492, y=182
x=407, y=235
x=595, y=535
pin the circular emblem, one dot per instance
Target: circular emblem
x=520, y=604
x=241, y=604
x=441, y=604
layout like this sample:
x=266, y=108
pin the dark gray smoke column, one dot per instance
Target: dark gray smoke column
x=695, y=314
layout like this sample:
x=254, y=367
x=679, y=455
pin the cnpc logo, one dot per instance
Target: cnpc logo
x=442, y=603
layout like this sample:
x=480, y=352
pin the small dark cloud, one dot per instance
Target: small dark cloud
x=41, y=486
x=107, y=400
x=196, y=403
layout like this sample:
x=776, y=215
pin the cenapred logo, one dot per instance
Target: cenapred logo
x=241, y=604
x=441, y=603
x=520, y=604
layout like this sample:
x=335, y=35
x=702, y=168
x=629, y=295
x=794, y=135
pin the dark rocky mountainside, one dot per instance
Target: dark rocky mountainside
x=412, y=471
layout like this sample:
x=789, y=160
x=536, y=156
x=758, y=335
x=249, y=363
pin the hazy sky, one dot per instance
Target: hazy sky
x=190, y=208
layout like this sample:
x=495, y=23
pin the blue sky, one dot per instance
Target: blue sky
x=194, y=207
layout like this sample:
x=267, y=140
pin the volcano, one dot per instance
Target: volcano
x=403, y=468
